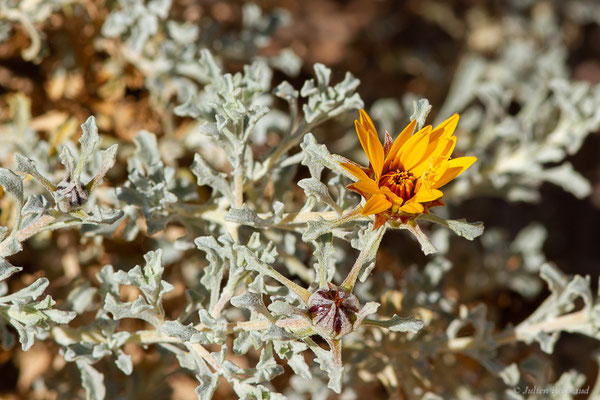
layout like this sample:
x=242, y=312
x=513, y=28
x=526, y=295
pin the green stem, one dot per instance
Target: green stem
x=369, y=249
x=299, y=290
x=66, y=335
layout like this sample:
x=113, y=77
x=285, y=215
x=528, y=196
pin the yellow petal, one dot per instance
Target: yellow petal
x=366, y=121
x=372, y=147
x=412, y=208
x=362, y=137
x=449, y=125
x=448, y=148
x=445, y=130
x=397, y=145
x=377, y=156
x=443, y=149
x=376, y=204
x=424, y=195
x=455, y=167
x=367, y=186
x=414, y=149
x=393, y=197
x=355, y=170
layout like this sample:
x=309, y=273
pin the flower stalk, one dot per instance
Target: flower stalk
x=368, y=251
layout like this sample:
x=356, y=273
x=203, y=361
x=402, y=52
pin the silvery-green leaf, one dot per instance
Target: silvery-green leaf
x=323, y=74
x=368, y=241
x=206, y=388
x=102, y=216
x=124, y=362
x=108, y=284
x=421, y=111
x=149, y=280
x=468, y=230
x=108, y=158
x=185, y=333
x=146, y=26
x=79, y=351
x=243, y=342
x=325, y=255
x=187, y=359
x=286, y=91
x=207, y=176
x=116, y=23
x=59, y=316
x=159, y=7
x=147, y=147
x=36, y=205
x=314, y=229
x=89, y=139
x=117, y=339
x=218, y=331
x=99, y=351
x=212, y=275
x=570, y=180
x=138, y=309
x=398, y=324
x=184, y=33
x=189, y=108
x=345, y=89
x=27, y=166
x=299, y=366
x=317, y=189
x=27, y=294
x=12, y=184
x=316, y=157
x=267, y=368
x=92, y=381
x=282, y=308
x=327, y=363
x=369, y=308
x=245, y=216
x=309, y=88
x=7, y=269
x=10, y=246
x=250, y=301
x=67, y=159
x=26, y=334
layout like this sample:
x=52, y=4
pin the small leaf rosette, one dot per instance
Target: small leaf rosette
x=404, y=176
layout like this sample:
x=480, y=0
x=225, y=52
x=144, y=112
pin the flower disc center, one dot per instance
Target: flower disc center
x=401, y=183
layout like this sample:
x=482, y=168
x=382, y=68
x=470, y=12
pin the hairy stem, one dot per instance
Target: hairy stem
x=23, y=234
x=66, y=335
x=370, y=249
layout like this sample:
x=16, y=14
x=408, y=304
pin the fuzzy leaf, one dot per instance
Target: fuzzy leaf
x=92, y=381
x=207, y=387
x=468, y=230
x=12, y=184
x=89, y=139
x=398, y=324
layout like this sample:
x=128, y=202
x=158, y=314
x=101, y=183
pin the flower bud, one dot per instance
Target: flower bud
x=333, y=311
x=70, y=195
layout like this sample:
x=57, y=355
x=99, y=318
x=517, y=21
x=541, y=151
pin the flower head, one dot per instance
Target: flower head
x=404, y=176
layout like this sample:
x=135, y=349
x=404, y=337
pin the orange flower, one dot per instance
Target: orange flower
x=404, y=177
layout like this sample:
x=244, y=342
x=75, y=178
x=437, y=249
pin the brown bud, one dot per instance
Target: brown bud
x=70, y=195
x=333, y=311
